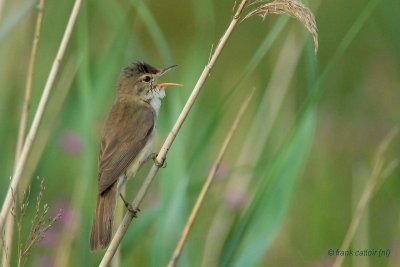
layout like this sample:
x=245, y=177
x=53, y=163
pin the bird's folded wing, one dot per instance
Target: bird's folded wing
x=125, y=133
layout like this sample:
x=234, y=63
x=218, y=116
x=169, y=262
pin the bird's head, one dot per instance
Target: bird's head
x=141, y=79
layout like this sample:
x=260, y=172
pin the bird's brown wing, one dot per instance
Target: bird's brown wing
x=125, y=133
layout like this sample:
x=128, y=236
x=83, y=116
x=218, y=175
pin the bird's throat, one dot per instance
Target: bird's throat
x=155, y=101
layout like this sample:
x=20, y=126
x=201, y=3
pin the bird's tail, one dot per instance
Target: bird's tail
x=103, y=219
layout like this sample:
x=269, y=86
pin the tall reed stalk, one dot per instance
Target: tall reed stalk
x=39, y=114
x=6, y=259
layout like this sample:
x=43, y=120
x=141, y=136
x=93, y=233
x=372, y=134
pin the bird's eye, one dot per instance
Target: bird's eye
x=147, y=79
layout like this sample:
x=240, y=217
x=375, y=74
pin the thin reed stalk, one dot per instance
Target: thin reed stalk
x=9, y=232
x=1, y=7
x=207, y=183
x=378, y=174
x=170, y=139
x=28, y=87
x=39, y=113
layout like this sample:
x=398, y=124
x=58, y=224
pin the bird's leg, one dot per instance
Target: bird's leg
x=129, y=206
x=162, y=164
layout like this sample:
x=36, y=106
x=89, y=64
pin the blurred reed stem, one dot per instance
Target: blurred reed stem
x=9, y=228
x=361, y=238
x=28, y=87
x=1, y=8
x=206, y=186
x=380, y=170
x=39, y=113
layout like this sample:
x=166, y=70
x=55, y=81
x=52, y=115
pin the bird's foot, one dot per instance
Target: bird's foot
x=129, y=207
x=159, y=164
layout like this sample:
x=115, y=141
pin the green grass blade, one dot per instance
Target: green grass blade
x=256, y=228
x=260, y=223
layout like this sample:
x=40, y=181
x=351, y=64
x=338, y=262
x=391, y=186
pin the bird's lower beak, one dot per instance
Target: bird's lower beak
x=165, y=85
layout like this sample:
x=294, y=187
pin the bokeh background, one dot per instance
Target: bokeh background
x=288, y=187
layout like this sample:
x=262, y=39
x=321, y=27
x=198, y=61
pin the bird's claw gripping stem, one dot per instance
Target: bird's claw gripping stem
x=129, y=206
x=159, y=164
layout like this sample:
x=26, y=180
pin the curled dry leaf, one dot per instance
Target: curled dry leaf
x=292, y=8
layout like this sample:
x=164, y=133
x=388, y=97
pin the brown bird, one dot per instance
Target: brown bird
x=126, y=140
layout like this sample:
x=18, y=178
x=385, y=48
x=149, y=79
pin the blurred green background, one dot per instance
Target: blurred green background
x=288, y=186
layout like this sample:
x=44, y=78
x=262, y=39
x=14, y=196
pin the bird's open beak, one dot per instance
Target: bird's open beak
x=164, y=85
x=162, y=72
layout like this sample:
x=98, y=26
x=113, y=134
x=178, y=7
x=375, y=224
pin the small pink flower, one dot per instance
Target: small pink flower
x=65, y=215
x=49, y=237
x=236, y=198
x=64, y=209
x=71, y=143
x=44, y=262
x=221, y=173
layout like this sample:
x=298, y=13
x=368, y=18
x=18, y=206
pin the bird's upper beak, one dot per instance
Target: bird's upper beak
x=162, y=72
x=167, y=69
